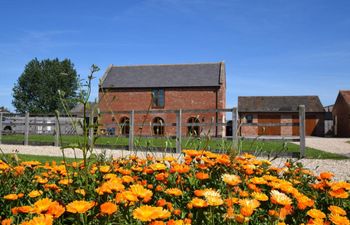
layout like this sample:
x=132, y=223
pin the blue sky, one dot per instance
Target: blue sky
x=272, y=47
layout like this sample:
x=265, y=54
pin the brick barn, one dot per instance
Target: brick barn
x=341, y=114
x=260, y=110
x=150, y=88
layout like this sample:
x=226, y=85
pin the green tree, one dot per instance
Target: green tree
x=36, y=90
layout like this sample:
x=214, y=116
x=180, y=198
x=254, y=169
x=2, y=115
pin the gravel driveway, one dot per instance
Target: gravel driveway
x=341, y=168
x=333, y=145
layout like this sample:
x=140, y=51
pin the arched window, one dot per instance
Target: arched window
x=124, y=125
x=158, y=126
x=193, y=128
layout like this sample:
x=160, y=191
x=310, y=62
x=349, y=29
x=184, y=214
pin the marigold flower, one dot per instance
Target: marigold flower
x=202, y=176
x=35, y=193
x=21, y=209
x=180, y=168
x=316, y=214
x=198, y=203
x=11, y=197
x=337, y=210
x=108, y=208
x=42, y=205
x=80, y=191
x=55, y=210
x=158, y=166
x=326, y=175
x=6, y=221
x=231, y=179
x=339, y=193
x=280, y=198
x=104, y=169
x=41, y=220
x=260, y=196
x=173, y=191
x=79, y=206
x=148, y=213
x=339, y=220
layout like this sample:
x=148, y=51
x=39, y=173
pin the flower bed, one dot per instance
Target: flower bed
x=201, y=188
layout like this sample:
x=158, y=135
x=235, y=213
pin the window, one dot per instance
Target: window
x=158, y=98
x=125, y=125
x=158, y=126
x=193, y=128
x=249, y=118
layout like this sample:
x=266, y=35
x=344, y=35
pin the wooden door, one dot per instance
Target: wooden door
x=310, y=125
x=269, y=119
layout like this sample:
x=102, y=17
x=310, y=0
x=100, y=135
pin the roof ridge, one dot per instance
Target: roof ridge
x=278, y=96
x=170, y=64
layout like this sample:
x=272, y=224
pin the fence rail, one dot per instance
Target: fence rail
x=27, y=121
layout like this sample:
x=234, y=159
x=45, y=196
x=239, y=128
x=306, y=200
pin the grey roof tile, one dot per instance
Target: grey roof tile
x=172, y=75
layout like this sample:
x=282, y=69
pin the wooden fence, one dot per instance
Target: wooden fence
x=178, y=124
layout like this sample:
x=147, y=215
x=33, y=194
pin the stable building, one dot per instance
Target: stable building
x=263, y=115
x=157, y=88
x=341, y=114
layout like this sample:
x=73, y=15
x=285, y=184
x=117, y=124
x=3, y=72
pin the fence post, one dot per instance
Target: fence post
x=57, y=132
x=302, y=130
x=91, y=129
x=131, y=130
x=1, y=115
x=178, y=131
x=234, y=125
x=26, y=129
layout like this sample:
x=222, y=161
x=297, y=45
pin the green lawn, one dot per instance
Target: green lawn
x=43, y=159
x=265, y=147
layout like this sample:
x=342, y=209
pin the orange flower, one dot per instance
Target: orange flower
x=104, y=169
x=173, y=191
x=79, y=206
x=260, y=196
x=202, y=176
x=231, y=179
x=213, y=197
x=41, y=220
x=180, y=168
x=339, y=220
x=108, y=208
x=55, y=210
x=35, y=193
x=80, y=191
x=22, y=209
x=280, y=198
x=316, y=214
x=337, y=210
x=198, y=203
x=11, y=197
x=339, y=193
x=141, y=192
x=326, y=175
x=148, y=213
x=158, y=166
x=6, y=221
x=42, y=205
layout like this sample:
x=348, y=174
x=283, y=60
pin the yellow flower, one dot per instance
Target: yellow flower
x=280, y=198
x=80, y=191
x=41, y=220
x=11, y=197
x=42, y=205
x=316, y=214
x=337, y=210
x=108, y=208
x=158, y=166
x=148, y=213
x=55, y=210
x=35, y=193
x=213, y=197
x=198, y=203
x=105, y=169
x=260, y=196
x=79, y=206
x=231, y=179
x=173, y=191
x=339, y=220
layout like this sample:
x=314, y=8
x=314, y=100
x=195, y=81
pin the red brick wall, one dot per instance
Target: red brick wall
x=341, y=116
x=113, y=101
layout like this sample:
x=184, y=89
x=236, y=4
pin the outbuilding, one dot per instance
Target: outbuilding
x=341, y=114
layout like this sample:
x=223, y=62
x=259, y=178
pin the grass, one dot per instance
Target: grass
x=265, y=147
x=40, y=158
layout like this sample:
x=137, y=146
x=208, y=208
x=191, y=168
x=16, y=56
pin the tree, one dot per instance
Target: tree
x=36, y=90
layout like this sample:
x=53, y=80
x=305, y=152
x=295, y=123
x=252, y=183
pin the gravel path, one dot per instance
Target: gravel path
x=333, y=145
x=341, y=168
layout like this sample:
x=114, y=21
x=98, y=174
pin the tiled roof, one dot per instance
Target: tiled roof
x=279, y=103
x=172, y=75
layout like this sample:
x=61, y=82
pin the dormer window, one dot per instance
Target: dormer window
x=158, y=98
